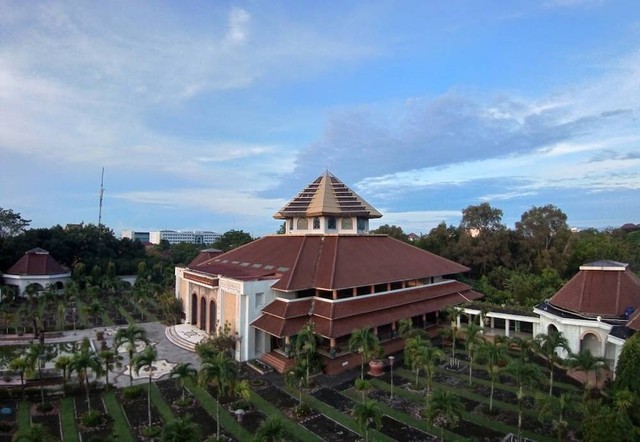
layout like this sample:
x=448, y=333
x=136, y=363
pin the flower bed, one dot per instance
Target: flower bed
x=400, y=431
x=333, y=398
x=328, y=429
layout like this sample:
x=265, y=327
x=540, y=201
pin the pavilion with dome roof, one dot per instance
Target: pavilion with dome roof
x=326, y=269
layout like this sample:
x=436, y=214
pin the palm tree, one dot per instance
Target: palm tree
x=130, y=336
x=453, y=331
x=83, y=361
x=526, y=376
x=525, y=347
x=473, y=339
x=222, y=370
x=181, y=429
x=495, y=356
x=365, y=342
x=306, y=344
x=296, y=377
x=586, y=362
x=367, y=414
x=21, y=365
x=34, y=357
x=181, y=373
x=554, y=408
x=274, y=429
x=362, y=385
x=146, y=359
x=33, y=433
x=63, y=362
x=111, y=359
x=546, y=345
x=444, y=410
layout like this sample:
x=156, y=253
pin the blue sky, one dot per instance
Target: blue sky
x=212, y=115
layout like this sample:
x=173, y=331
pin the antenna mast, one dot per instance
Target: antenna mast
x=101, y=194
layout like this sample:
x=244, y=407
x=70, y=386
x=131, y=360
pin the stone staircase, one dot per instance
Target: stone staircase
x=174, y=337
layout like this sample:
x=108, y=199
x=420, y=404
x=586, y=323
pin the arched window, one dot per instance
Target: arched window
x=346, y=224
x=331, y=223
x=303, y=224
x=362, y=223
x=316, y=223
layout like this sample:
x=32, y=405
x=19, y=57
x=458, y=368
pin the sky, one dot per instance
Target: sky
x=213, y=115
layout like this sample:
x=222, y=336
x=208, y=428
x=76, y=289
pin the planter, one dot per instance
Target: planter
x=376, y=367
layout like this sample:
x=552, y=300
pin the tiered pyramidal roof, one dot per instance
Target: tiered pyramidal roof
x=327, y=196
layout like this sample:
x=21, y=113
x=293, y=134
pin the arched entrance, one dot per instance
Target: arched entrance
x=212, y=317
x=203, y=314
x=194, y=309
x=552, y=329
x=591, y=342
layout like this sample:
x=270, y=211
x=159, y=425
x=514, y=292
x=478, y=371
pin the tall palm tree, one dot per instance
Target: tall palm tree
x=222, y=370
x=494, y=355
x=63, y=362
x=83, y=361
x=181, y=429
x=21, y=365
x=130, y=336
x=111, y=359
x=34, y=358
x=473, y=340
x=296, y=377
x=365, y=342
x=586, y=362
x=367, y=414
x=453, y=332
x=146, y=359
x=181, y=373
x=306, y=344
x=554, y=409
x=274, y=429
x=444, y=410
x=526, y=376
x=524, y=345
x=546, y=345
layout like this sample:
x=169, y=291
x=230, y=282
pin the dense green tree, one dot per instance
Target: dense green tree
x=441, y=240
x=232, y=239
x=392, y=231
x=12, y=223
x=629, y=366
x=481, y=218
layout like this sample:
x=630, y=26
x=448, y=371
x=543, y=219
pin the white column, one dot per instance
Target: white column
x=506, y=328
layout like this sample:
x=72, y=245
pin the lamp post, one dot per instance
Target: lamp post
x=391, y=359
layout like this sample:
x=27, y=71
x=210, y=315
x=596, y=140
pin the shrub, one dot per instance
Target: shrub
x=132, y=392
x=92, y=418
x=151, y=432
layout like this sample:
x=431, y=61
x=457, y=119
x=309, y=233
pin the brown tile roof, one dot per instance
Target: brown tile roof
x=329, y=262
x=594, y=291
x=36, y=262
x=634, y=321
x=333, y=319
x=327, y=195
x=204, y=255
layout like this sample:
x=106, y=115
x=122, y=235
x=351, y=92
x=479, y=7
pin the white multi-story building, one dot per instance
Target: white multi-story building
x=177, y=236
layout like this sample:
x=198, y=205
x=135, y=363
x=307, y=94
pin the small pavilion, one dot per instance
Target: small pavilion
x=36, y=268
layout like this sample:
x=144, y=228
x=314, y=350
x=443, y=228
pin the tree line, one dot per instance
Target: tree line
x=528, y=263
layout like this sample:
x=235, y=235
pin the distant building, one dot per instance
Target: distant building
x=143, y=237
x=177, y=236
x=38, y=269
x=172, y=236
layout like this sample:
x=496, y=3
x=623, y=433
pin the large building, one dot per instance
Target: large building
x=173, y=236
x=326, y=269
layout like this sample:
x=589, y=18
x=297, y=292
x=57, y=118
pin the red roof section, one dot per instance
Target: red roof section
x=203, y=256
x=600, y=292
x=329, y=262
x=36, y=262
x=333, y=319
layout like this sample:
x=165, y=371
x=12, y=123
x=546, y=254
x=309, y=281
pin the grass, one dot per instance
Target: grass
x=271, y=410
x=68, y=420
x=156, y=398
x=23, y=417
x=227, y=421
x=121, y=427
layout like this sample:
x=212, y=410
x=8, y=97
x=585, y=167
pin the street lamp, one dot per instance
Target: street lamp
x=391, y=359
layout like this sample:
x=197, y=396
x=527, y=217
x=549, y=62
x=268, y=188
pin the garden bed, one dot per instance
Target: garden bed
x=399, y=431
x=334, y=399
x=328, y=429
